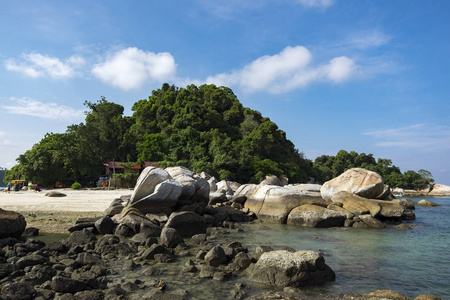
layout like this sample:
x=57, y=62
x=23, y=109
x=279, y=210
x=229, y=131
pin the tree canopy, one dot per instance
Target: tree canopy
x=329, y=167
x=203, y=128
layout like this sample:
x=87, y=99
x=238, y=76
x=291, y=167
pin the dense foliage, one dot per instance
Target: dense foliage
x=203, y=128
x=2, y=176
x=329, y=167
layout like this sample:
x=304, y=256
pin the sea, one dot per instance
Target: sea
x=411, y=262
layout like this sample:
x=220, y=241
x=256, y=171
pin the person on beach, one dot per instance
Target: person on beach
x=9, y=187
x=36, y=188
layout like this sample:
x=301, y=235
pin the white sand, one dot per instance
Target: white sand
x=76, y=200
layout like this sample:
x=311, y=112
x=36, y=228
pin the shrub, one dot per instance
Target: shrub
x=76, y=186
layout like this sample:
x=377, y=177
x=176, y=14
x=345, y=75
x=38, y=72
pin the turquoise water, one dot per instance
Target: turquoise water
x=411, y=262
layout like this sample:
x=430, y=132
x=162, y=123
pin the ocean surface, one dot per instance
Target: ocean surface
x=411, y=262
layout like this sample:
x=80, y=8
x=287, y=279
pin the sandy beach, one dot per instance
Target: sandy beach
x=58, y=214
x=75, y=201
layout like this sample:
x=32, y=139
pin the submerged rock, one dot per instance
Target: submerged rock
x=315, y=216
x=282, y=268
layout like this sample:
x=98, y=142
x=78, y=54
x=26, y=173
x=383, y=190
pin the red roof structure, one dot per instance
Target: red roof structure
x=114, y=165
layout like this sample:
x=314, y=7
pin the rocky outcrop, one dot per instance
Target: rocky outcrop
x=283, y=268
x=274, y=203
x=187, y=223
x=315, y=216
x=427, y=203
x=12, y=224
x=357, y=181
x=440, y=190
x=163, y=199
x=195, y=189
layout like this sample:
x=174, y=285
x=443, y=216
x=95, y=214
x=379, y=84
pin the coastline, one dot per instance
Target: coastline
x=58, y=214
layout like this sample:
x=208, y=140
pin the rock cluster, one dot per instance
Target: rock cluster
x=357, y=198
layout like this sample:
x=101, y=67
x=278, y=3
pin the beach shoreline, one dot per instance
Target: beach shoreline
x=58, y=214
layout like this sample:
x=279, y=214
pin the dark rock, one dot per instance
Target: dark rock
x=88, y=277
x=31, y=260
x=154, y=249
x=39, y=274
x=105, y=225
x=81, y=226
x=164, y=258
x=124, y=230
x=12, y=224
x=198, y=239
x=242, y=260
x=408, y=215
x=170, y=237
x=113, y=210
x=80, y=238
x=67, y=285
x=55, y=246
x=88, y=295
x=30, y=232
x=151, y=230
x=15, y=290
x=55, y=194
x=215, y=257
x=88, y=259
x=187, y=223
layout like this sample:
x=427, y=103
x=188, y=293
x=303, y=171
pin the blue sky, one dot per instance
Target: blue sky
x=368, y=76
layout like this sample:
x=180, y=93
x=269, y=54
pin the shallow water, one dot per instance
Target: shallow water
x=411, y=262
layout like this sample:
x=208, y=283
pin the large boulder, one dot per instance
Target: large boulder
x=137, y=221
x=440, y=190
x=283, y=268
x=357, y=205
x=12, y=224
x=357, y=181
x=273, y=203
x=312, y=189
x=427, y=203
x=390, y=209
x=147, y=182
x=187, y=223
x=163, y=199
x=315, y=216
x=195, y=189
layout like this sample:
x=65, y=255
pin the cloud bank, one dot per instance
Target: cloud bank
x=130, y=68
x=285, y=71
x=38, y=65
x=30, y=107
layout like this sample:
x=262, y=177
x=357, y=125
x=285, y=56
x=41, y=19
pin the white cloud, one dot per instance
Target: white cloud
x=414, y=136
x=38, y=65
x=340, y=69
x=322, y=4
x=130, y=68
x=30, y=107
x=367, y=39
x=286, y=71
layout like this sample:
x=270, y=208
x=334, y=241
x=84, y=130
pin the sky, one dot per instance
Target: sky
x=364, y=76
